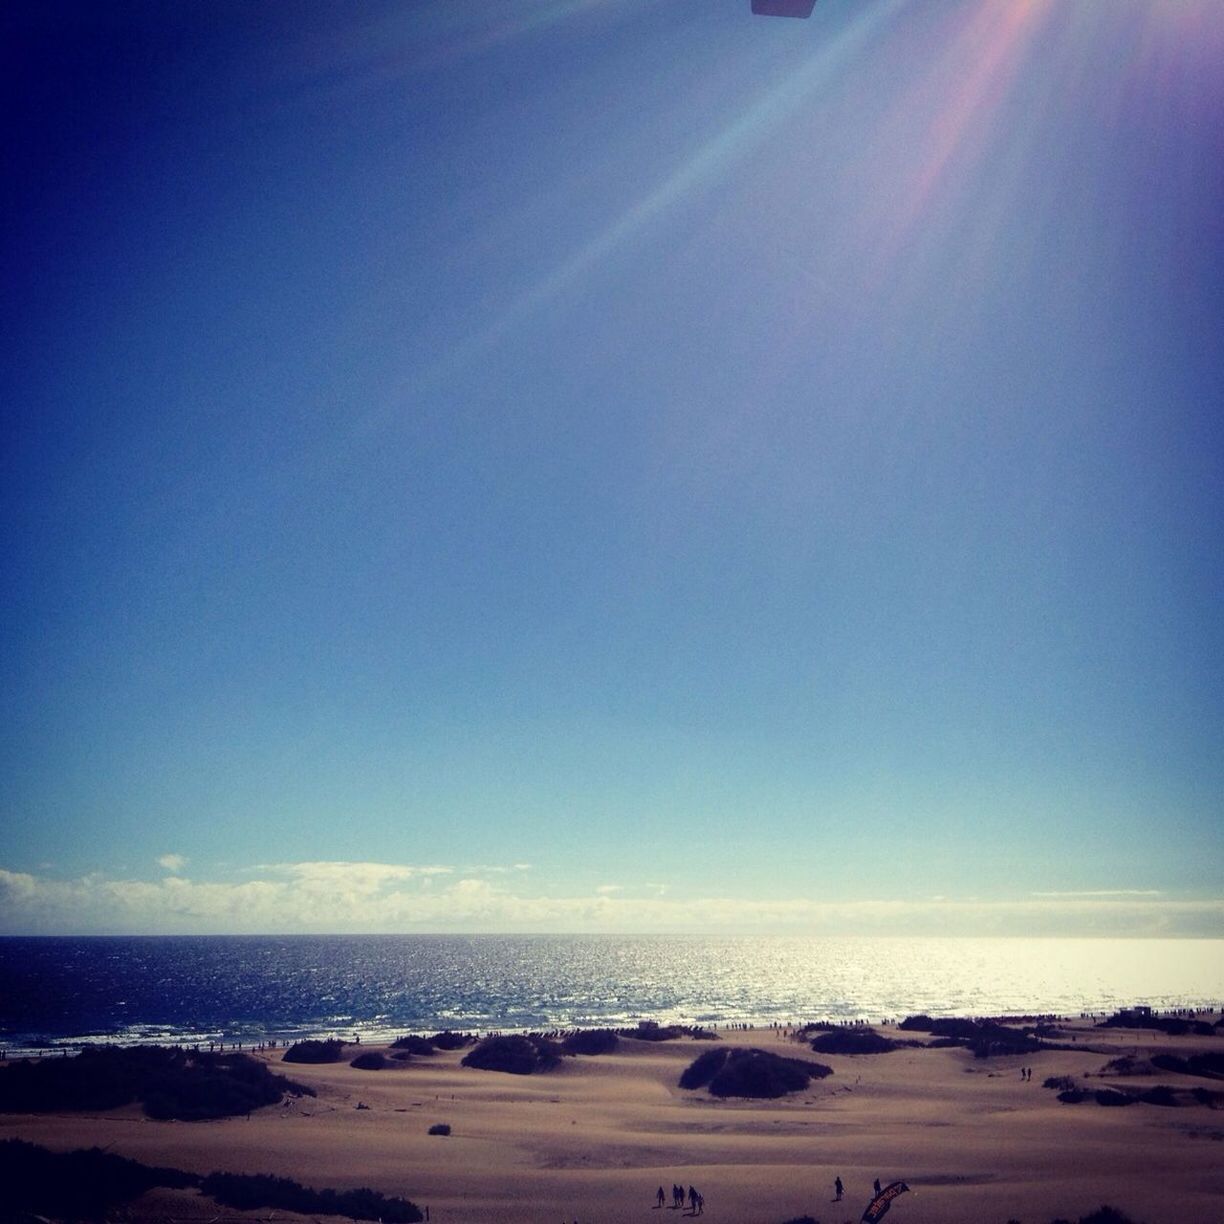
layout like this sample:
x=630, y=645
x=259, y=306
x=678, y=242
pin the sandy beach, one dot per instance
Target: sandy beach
x=593, y=1140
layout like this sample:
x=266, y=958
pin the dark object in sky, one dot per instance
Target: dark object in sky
x=878, y=1207
x=783, y=8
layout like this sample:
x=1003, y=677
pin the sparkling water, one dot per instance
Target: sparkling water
x=239, y=988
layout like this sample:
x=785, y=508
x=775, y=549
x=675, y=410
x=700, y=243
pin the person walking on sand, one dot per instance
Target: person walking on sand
x=877, y=1185
x=838, y=1189
x=660, y=1196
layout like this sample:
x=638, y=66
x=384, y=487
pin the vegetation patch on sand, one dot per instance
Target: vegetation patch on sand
x=1060, y=1083
x=591, y=1041
x=1102, y=1215
x=370, y=1060
x=245, y=1192
x=853, y=1041
x=986, y=1038
x=414, y=1045
x=750, y=1073
x=1174, y=1026
x=1071, y=1093
x=312, y=1051
x=652, y=1030
x=92, y=1184
x=515, y=1055
x=446, y=1040
x=169, y=1082
x=1210, y=1066
x=75, y=1185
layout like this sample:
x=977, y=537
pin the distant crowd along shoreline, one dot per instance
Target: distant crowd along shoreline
x=1144, y=1015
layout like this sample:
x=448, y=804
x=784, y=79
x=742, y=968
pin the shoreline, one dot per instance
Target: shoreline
x=251, y=1038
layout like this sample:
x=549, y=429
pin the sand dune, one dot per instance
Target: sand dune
x=593, y=1140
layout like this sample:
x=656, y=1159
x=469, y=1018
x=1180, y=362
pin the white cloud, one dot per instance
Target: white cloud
x=172, y=862
x=361, y=876
x=17, y=887
x=360, y=897
x=1103, y=892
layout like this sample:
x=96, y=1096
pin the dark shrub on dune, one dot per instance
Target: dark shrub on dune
x=96, y=1079
x=1169, y=1062
x=591, y=1041
x=1161, y=1094
x=514, y=1055
x=765, y=1076
x=1111, y=1096
x=371, y=1060
x=995, y=1041
x=232, y=1084
x=1209, y=1065
x=751, y=1073
x=249, y=1191
x=1174, y=1026
x=703, y=1068
x=1106, y=1215
x=960, y=1027
x=401, y=1056
x=803, y=1220
x=91, y=1184
x=171, y=1083
x=414, y=1045
x=75, y=1185
x=312, y=1051
x=446, y=1040
x=986, y=1038
x=440, y=1128
x=1063, y=1083
x=652, y=1030
x=853, y=1041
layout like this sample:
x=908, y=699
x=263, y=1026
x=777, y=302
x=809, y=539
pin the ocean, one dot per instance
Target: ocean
x=60, y=991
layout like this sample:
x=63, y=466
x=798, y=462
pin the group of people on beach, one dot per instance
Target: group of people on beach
x=694, y=1198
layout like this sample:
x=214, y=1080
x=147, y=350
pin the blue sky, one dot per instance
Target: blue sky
x=610, y=465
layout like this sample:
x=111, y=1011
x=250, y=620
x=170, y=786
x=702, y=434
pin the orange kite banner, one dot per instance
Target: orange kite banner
x=879, y=1205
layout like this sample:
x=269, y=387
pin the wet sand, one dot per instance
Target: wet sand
x=594, y=1139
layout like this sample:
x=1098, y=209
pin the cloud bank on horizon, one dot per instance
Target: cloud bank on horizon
x=376, y=898
x=762, y=474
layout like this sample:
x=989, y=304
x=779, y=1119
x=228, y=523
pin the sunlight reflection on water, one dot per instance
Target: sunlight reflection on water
x=167, y=988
